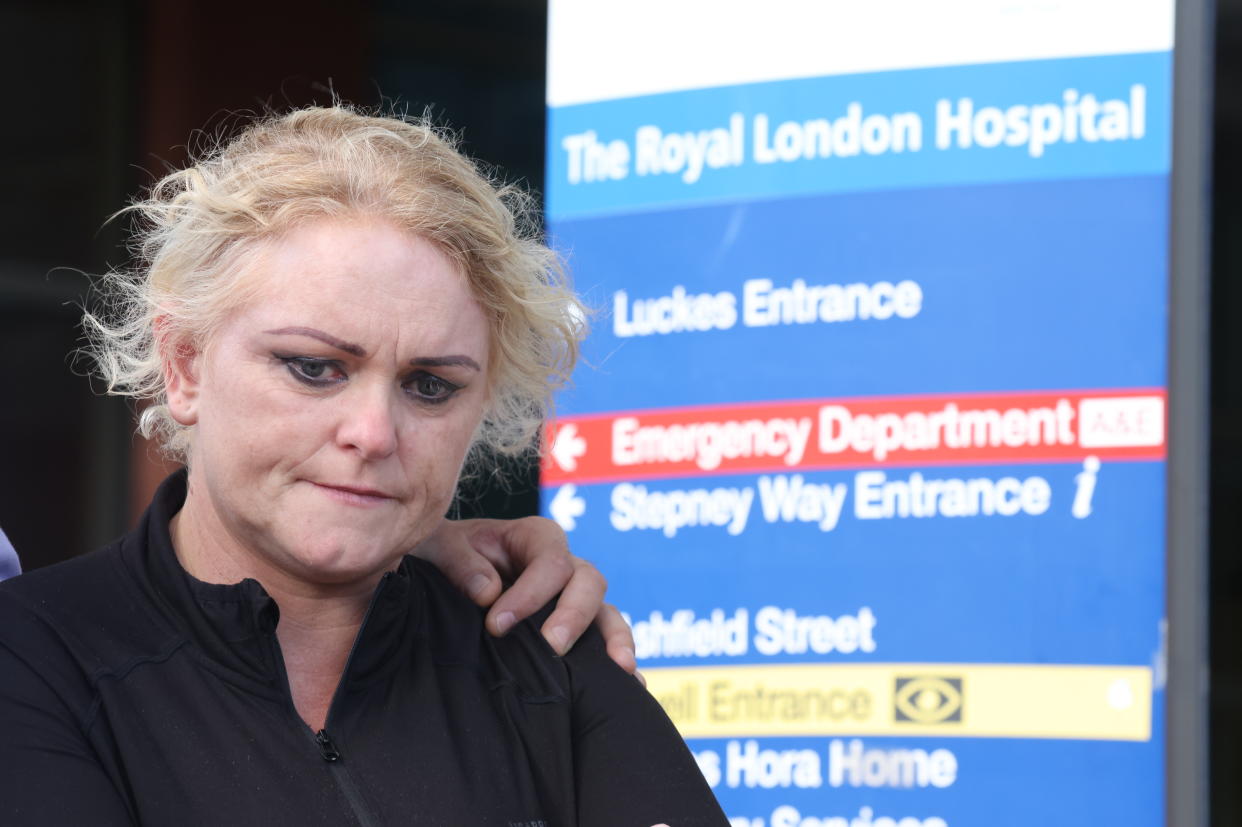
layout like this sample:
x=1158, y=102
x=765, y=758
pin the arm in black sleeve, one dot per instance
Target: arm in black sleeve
x=49, y=771
x=632, y=767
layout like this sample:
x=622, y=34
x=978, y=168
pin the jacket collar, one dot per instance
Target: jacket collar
x=233, y=626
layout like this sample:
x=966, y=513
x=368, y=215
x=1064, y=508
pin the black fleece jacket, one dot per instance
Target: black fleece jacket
x=131, y=693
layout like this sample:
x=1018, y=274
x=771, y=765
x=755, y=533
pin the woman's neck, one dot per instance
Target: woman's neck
x=318, y=623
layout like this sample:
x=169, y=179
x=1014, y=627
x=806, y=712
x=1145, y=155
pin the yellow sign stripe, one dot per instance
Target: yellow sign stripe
x=911, y=699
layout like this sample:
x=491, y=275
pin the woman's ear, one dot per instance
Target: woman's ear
x=180, y=363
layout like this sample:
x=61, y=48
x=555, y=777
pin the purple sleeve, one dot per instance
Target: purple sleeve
x=9, y=566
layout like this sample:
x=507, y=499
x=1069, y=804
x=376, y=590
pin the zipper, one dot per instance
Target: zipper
x=344, y=779
x=328, y=749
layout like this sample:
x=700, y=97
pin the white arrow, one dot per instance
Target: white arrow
x=567, y=447
x=566, y=507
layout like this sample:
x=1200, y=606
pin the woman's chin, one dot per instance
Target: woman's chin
x=339, y=561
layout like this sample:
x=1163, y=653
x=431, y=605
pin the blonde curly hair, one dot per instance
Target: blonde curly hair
x=195, y=227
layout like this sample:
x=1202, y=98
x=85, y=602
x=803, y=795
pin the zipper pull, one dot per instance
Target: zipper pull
x=326, y=748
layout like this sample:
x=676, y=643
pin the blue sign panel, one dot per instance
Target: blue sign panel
x=870, y=440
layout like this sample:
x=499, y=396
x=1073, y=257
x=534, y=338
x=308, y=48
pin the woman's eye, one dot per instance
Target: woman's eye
x=313, y=371
x=431, y=388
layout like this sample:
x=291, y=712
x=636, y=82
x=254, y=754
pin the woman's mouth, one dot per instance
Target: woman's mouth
x=354, y=495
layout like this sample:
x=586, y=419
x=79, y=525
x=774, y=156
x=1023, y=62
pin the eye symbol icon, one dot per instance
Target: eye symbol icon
x=926, y=699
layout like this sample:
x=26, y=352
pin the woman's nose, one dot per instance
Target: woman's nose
x=368, y=425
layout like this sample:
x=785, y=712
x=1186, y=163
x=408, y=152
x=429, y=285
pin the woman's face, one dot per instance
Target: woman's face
x=333, y=410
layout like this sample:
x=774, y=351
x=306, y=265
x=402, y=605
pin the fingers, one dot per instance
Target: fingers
x=489, y=538
x=579, y=603
x=581, y=589
x=474, y=554
x=450, y=549
x=512, y=546
x=618, y=637
x=537, y=548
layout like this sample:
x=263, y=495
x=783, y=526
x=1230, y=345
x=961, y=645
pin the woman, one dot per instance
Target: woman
x=334, y=312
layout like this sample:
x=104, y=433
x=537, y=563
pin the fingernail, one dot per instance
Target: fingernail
x=476, y=585
x=640, y=677
x=504, y=622
x=559, y=638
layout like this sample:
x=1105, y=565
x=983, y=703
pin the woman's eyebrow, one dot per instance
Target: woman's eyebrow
x=348, y=347
x=445, y=361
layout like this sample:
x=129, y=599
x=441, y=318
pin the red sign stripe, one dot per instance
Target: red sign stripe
x=949, y=429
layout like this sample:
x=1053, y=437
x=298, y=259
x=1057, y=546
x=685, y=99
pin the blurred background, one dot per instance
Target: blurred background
x=103, y=98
